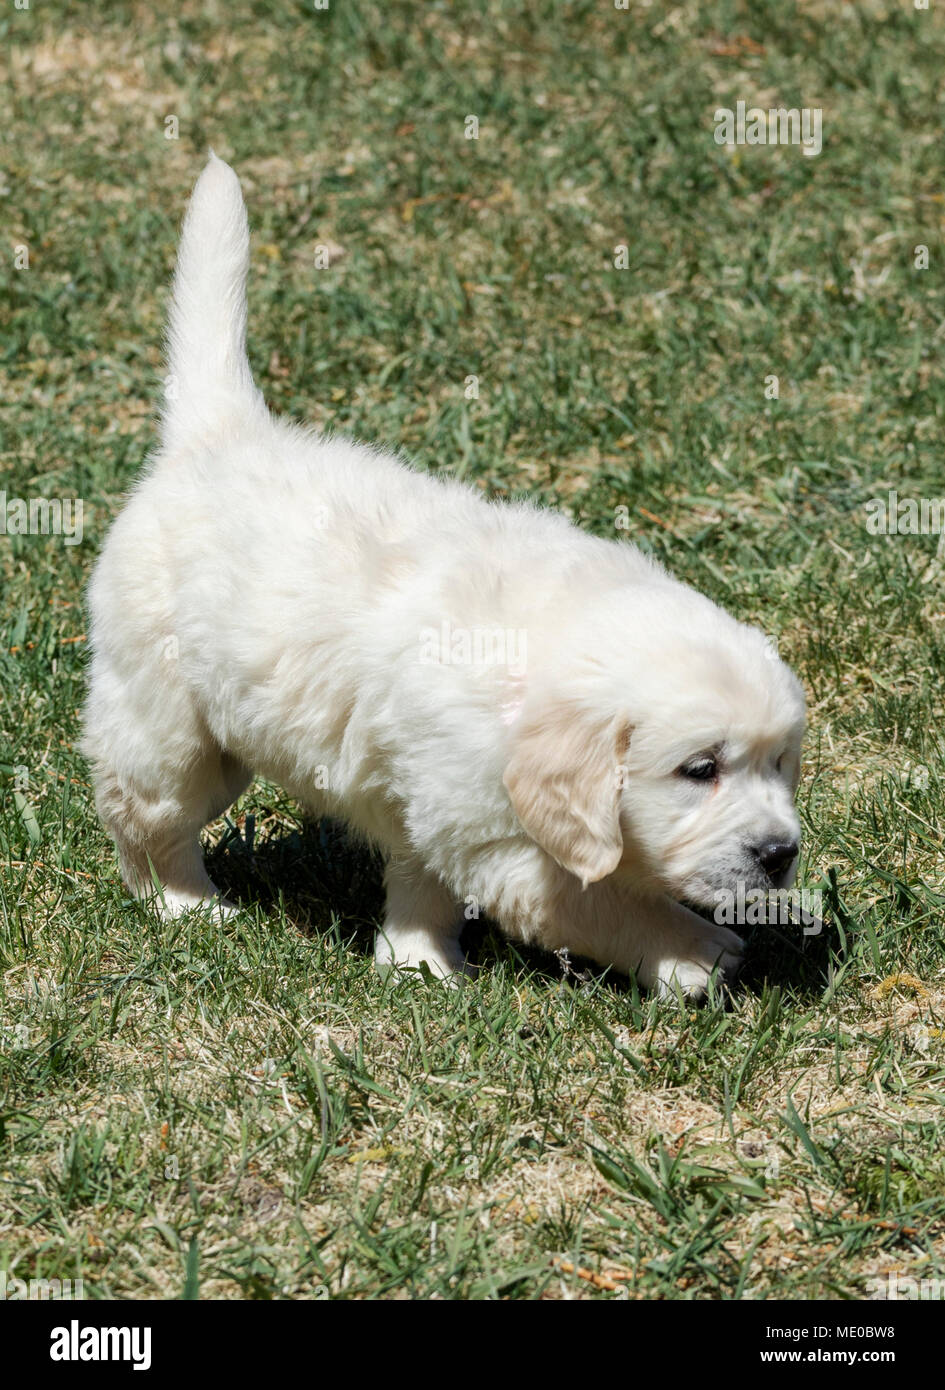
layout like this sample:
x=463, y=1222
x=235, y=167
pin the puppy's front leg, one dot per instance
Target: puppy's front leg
x=669, y=947
x=664, y=944
x=421, y=923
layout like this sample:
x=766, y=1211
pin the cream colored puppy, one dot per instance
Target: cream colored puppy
x=528, y=721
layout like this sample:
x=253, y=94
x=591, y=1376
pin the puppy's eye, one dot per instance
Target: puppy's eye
x=705, y=768
x=778, y=765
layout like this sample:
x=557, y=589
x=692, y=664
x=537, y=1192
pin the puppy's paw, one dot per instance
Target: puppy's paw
x=690, y=970
x=172, y=905
x=396, y=956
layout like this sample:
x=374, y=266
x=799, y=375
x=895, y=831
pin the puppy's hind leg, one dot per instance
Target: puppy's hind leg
x=159, y=778
x=156, y=828
x=421, y=923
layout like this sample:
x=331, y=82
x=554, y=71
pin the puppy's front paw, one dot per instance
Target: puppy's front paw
x=690, y=969
x=400, y=953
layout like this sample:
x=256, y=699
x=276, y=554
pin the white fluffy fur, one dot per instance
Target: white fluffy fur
x=260, y=605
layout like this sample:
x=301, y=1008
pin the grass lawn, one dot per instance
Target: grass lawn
x=247, y=1111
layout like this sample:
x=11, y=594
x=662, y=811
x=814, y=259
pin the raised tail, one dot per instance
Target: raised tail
x=209, y=383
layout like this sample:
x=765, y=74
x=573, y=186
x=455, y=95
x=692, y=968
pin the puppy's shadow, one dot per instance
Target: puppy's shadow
x=771, y=958
x=329, y=882
x=783, y=955
x=324, y=879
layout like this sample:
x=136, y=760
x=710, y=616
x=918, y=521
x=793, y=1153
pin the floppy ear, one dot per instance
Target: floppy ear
x=563, y=781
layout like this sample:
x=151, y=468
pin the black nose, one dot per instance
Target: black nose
x=775, y=857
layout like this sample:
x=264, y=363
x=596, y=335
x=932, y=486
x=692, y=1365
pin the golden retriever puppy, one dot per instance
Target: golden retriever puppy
x=528, y=721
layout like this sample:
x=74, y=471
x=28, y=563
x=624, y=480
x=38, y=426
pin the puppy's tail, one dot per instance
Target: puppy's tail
x=209, y=382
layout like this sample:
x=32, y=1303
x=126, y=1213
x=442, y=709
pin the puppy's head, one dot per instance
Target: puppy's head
x=670, y=757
